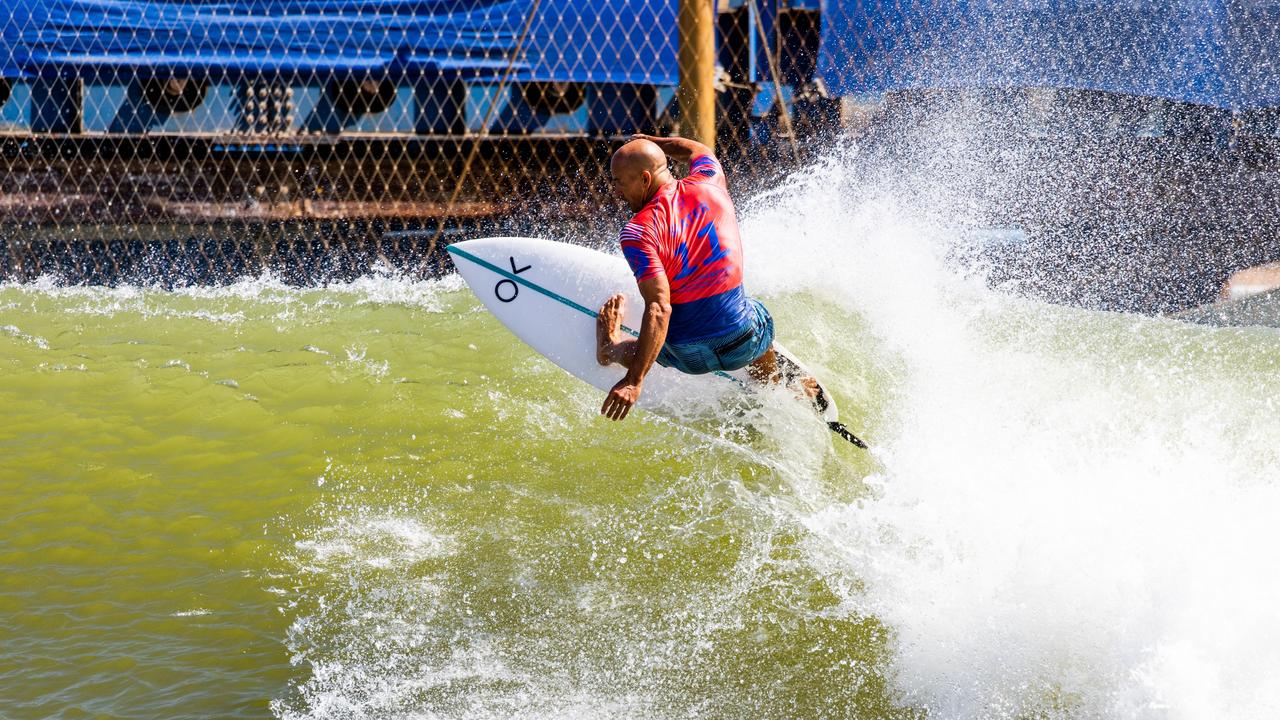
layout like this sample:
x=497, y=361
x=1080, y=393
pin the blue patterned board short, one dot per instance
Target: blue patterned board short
x=728, y=352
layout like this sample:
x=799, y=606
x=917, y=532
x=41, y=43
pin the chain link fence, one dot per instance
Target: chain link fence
x=199, y=142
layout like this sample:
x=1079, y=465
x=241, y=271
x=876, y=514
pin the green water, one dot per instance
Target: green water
x=368, y=501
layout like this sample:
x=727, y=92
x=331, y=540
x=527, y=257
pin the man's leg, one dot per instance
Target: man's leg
x=765, y=369
x=611, y=345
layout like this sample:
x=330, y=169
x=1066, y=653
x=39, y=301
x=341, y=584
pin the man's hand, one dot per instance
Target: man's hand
x=653, y=333
x=620, y=399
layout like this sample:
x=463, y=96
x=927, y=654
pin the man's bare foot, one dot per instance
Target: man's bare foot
x=810, y=385
x=609, y=327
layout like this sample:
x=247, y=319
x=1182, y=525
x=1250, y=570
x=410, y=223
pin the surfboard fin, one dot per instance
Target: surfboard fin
x=839, y=429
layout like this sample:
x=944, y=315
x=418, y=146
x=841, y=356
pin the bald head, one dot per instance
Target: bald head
x=639, y=155
x=639, y=170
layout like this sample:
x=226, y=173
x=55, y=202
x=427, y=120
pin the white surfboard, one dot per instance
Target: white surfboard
x=548, y=294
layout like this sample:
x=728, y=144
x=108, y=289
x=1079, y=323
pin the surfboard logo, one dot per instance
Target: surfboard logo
x=514, y=292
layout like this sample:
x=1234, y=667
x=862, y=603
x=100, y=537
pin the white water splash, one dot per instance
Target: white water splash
x=1075, y=515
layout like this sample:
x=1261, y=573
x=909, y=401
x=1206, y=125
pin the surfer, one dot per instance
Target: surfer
x=684, y=250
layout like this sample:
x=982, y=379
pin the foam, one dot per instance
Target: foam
x=14, y=331
x=382, y=287
x=375, y=541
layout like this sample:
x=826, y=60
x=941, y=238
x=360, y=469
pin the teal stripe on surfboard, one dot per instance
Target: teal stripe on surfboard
x=532, y=286
x=549, y=293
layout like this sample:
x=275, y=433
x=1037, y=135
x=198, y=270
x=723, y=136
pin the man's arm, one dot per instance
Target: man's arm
x=677, y=148
x=653, y=333
x=706, y=169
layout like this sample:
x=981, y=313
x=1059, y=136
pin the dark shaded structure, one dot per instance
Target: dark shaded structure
x=1087, y=198
x=107, y=210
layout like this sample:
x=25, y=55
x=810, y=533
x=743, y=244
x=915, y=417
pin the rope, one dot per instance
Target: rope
x=776, y=74
x=516, y=53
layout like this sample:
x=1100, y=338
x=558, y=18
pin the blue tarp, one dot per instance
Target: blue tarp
x=1224, y=53
x=604, y=41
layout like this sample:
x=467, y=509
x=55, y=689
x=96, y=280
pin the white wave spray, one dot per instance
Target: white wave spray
x=1075, y=514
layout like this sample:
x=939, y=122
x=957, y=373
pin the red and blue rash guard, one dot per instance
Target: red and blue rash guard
x=689, y=233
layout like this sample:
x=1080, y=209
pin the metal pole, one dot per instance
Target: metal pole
x=697, y=93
